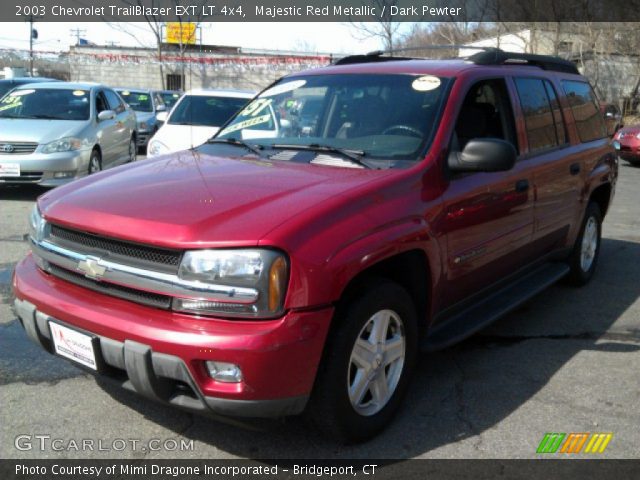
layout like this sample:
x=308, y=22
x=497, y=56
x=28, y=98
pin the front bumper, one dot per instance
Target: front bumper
x=39, y=168
x=161, y=354
x=143, y=138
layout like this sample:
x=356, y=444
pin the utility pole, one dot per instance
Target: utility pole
x=77, y=32
x=32, y=34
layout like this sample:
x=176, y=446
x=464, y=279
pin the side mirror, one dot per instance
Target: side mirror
x=106, y=115
x=161, y=117
x=483, y=155
x=161, y=108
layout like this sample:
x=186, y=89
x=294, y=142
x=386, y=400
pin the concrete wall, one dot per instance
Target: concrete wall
x=122, y=67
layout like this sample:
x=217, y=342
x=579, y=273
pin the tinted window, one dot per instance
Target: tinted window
x=46, y=103
x=138, y=101
x=114, y=101
x=205, y=110
x=557, y=113
x=539, y=120
x=586, y=113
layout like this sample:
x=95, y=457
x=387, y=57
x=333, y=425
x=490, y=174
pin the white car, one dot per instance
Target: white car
x=196, y=117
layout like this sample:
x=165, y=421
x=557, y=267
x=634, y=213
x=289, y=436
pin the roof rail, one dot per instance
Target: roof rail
x=486, y=56
x=495, y=56
x=387, y=55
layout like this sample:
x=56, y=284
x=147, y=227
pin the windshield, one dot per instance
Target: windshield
x=46, y=103
x=381, y=116
x=205, y=110
x=170, y=98
x=138, y=101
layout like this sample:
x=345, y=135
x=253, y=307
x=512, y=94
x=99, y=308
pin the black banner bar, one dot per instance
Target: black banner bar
x=315, y=469
x=321, y=10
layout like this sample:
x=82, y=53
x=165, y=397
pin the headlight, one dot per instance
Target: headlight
x=638, y=136
x=66, y=144
x=264, y=270
x=142, y=126
x=156, y=147
x=37, y=224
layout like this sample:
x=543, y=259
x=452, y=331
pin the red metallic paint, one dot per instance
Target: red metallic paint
x=332, y=222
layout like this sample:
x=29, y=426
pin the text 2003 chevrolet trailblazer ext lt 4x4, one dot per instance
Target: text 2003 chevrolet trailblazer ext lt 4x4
x=346, y=218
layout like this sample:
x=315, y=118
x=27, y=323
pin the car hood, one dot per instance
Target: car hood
x=190, y=199
x=183, y=137
x=143, y=116
x=37, y=131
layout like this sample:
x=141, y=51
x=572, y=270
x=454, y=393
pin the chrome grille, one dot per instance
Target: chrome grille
x=138, y=296
x=160, y=259
x=10, y=148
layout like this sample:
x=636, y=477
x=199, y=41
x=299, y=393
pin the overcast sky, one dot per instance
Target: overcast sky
x=321, y=37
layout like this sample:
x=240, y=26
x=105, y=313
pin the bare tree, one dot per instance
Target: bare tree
x=385, y=28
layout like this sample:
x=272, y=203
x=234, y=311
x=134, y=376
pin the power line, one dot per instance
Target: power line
x=78, y=32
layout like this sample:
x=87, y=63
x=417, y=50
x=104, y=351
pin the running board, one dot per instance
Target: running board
x=476, y=317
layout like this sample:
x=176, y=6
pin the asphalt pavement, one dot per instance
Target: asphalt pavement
x=567, y=361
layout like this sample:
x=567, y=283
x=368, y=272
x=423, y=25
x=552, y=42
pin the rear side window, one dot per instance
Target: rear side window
x=586, y=112
x=543, y=119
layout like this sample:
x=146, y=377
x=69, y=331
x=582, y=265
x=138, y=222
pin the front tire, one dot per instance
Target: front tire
x=133, y=149
x=95, y=162
x=367, y=364
x=584, y=258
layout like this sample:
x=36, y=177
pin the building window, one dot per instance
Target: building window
x=174, y=81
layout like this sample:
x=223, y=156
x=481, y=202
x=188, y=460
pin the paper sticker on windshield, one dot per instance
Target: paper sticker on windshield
x=255, y=107
x=79, y=93
x=247, y=123
x=426, y=83
x=283, y=87
x=143, y=97
x=19, y=93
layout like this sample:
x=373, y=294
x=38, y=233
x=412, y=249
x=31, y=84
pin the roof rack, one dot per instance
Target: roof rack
x=495, y=56
x=486, y=56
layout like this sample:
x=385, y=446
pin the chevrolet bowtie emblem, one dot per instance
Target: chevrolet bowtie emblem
x=91, y=268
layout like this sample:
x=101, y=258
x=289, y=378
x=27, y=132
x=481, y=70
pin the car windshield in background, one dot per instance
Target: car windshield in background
x=138, y=101
x=46, y=103
x=206, y=110
x=170, y=99
x=380, y=116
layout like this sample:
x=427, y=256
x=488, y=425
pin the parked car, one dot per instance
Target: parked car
x=169, y=97
x=627, y=142
x=54, y=132
x=272, y=272
x=196, y=117
x=8, y=84
x=146, y=104
x=612, y=117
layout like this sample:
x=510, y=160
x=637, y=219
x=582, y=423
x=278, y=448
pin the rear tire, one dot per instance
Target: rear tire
x=584, y=258
x=368, y=361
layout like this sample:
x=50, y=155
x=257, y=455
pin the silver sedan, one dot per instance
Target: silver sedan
x=52, y=133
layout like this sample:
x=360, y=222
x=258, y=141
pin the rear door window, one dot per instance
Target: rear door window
x=586, y=113
x=545, y=128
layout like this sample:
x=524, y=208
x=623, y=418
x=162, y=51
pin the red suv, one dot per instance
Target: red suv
x=301, y=264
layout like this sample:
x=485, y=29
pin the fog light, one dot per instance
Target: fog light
x=63, y=174
x=224, y=372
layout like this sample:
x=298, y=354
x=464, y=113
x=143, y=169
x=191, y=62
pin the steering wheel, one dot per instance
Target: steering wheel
x=405, y=128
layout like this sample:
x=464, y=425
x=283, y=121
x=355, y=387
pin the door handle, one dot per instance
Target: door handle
x=522, y=185
x=574, y=169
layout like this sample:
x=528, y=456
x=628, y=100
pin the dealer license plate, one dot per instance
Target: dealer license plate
x=73, y=345
x=9, y=169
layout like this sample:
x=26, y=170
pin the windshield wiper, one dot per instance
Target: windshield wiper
x=43, y=117
x=353, y=155
x=257, y=149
